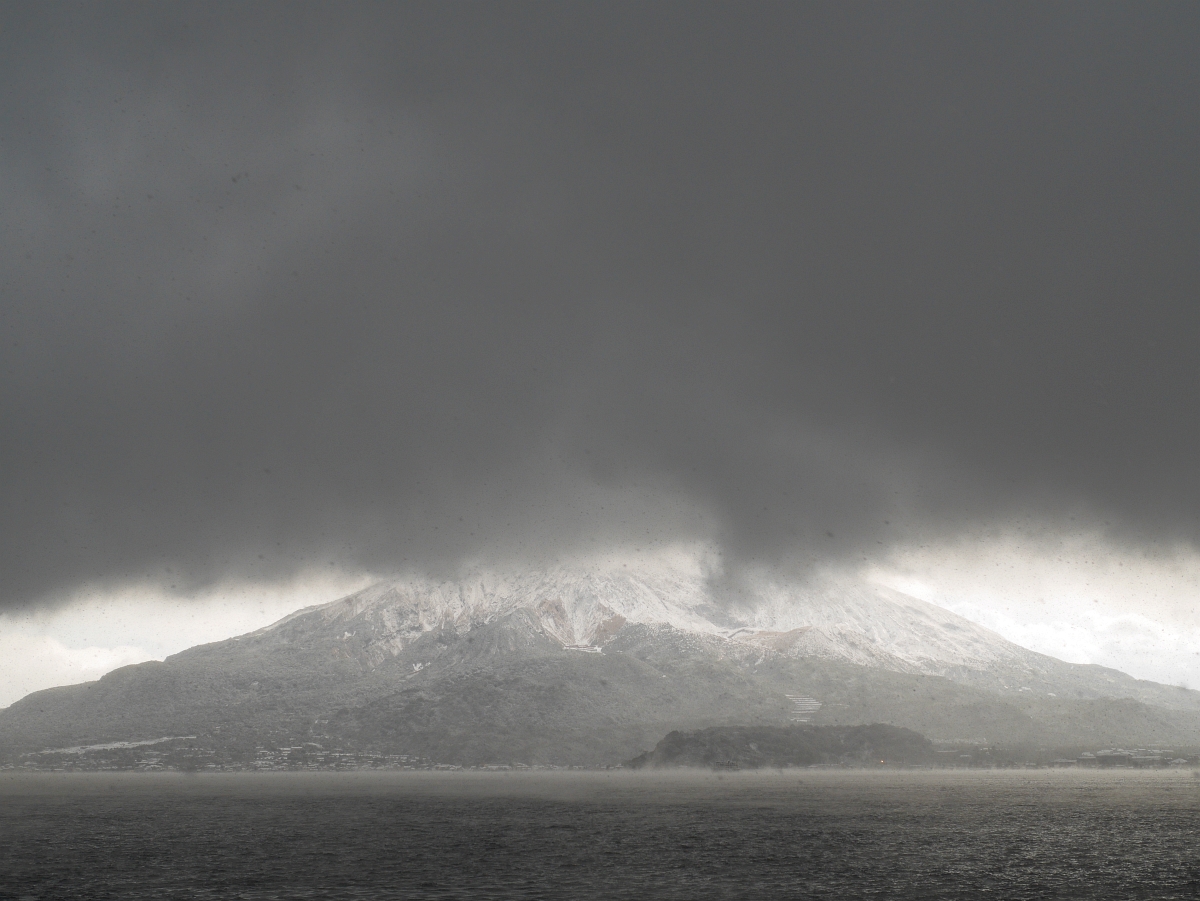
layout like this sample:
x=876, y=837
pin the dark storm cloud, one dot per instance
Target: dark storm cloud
x=369, y=287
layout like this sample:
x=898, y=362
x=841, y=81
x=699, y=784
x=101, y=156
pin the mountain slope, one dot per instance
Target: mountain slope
x=594, y=666
x=854, y=622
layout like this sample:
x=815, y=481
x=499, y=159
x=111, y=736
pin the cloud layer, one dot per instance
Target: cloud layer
x=288, y=286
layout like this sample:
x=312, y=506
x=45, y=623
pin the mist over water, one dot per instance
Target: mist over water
x=793, y=834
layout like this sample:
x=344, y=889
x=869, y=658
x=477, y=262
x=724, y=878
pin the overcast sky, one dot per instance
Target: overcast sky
x=344, y=289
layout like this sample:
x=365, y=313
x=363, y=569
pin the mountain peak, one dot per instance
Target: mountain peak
x=855, y=621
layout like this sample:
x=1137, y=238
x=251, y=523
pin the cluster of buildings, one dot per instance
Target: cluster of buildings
x=1120, y=757
x=90, y=760
x=311, y=756
x=803, y=708
x=308, y=756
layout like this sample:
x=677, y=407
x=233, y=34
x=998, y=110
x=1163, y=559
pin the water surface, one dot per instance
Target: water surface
x=802, y=834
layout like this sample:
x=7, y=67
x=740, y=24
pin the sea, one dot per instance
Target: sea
x=829, y=834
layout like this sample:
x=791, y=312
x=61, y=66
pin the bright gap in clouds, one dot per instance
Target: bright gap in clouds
x=96, y=633
x=1078, y=598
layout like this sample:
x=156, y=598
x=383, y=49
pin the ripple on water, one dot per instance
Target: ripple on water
x=895, y=836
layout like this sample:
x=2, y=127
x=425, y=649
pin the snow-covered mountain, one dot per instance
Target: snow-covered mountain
x=853, y=621
x=837, y=619
x=592, y=665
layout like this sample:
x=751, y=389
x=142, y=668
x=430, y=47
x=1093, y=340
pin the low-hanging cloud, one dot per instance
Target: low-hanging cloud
x=288, y=286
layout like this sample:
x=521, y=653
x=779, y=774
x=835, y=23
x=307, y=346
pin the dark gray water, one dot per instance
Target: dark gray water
x=424, y=836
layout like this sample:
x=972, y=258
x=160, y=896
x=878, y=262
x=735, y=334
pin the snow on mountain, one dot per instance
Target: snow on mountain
x=848, y=620
x=875, y=626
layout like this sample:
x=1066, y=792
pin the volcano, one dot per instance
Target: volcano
x=590, y=666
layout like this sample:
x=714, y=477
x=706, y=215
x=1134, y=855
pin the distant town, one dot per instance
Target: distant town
x=185, y=754
x=1136, y=758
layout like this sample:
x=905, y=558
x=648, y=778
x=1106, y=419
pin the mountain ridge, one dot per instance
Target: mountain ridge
x=855, y=622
